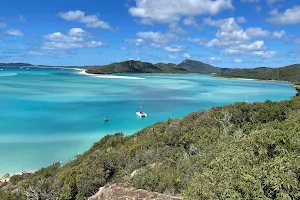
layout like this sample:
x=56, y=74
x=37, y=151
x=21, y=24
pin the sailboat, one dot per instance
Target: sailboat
x=141, y=113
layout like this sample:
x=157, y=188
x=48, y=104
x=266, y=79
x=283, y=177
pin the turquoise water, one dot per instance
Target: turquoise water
x=50, y=115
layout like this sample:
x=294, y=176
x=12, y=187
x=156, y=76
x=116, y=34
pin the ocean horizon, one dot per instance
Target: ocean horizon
x=51, y=114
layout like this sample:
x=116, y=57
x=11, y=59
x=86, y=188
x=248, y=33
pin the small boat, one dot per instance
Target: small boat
x=105, y=119
x=1, y=69
x=141, y=113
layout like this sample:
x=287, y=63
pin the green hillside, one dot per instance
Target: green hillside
x=240, y=151
x=289, y=73
x=135, y=67
x=199, y=67
x=187, y=66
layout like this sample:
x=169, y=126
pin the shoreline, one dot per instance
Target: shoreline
x=249, y=79
x=84, y=73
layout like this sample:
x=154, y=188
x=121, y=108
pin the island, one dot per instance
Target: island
x=15, y=64
x=288, y=73
x=132, y=66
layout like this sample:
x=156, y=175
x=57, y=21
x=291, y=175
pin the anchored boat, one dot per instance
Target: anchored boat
x=141, y=113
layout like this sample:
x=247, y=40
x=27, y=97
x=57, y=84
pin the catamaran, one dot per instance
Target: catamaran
x=141, y=113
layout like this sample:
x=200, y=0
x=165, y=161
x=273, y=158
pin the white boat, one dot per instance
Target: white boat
x=141, y=113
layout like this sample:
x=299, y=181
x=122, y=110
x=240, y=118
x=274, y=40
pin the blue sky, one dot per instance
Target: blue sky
x=224, y=33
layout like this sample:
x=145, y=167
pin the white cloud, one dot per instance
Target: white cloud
x=229, y=32
x=279, y=34
x=272, y=1
x=241, y=20
x=266, y=54
x=258, y=8
x=200, y=41
x=73, y=40
x=93, y=44
x=186, y=55
x=260, y=33
x=14, y=32
x=157, y=37
x=59, y=37
x=214, y=58
x=237, y=60
x=175, y=28
x=137, y=42
x=174, y=48
x=35, y=53
x=22, y=18
x=154, y=40
x=76, y=32
x=3, y=25
x=236, y=40
x=216, y=23
x=289, y=16
x=190, y=21
x=257, y=32
x=257, y=45
x=155, y=45
x=173, y=57
x=166, y=11
x=91, y=21
x=250, y=1
x=61, y=45
x=297, y=41
x=245, y=48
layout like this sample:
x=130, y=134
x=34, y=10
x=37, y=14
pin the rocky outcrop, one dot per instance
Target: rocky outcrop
x=117, y=192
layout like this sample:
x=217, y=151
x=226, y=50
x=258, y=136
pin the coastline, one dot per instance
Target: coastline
x=83, y=72
x=249, y=79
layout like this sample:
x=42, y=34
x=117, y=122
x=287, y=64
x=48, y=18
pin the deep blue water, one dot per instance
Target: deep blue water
x=50, y=115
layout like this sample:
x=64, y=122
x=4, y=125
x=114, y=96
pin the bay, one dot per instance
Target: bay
x=49, y=114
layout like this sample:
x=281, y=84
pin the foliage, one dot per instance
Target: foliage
x=194, y=66
x=135, y=67
x=290, y=73
x=188, y=66
x=239, y=151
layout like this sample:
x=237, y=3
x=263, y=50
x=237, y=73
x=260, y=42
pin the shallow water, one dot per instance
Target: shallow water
x=50, y=115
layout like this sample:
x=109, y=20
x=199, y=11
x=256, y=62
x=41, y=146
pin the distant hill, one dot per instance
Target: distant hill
x=187, y=66
x=15, y=64
x=135, y=67
x=289, y=73
x=194, y=66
